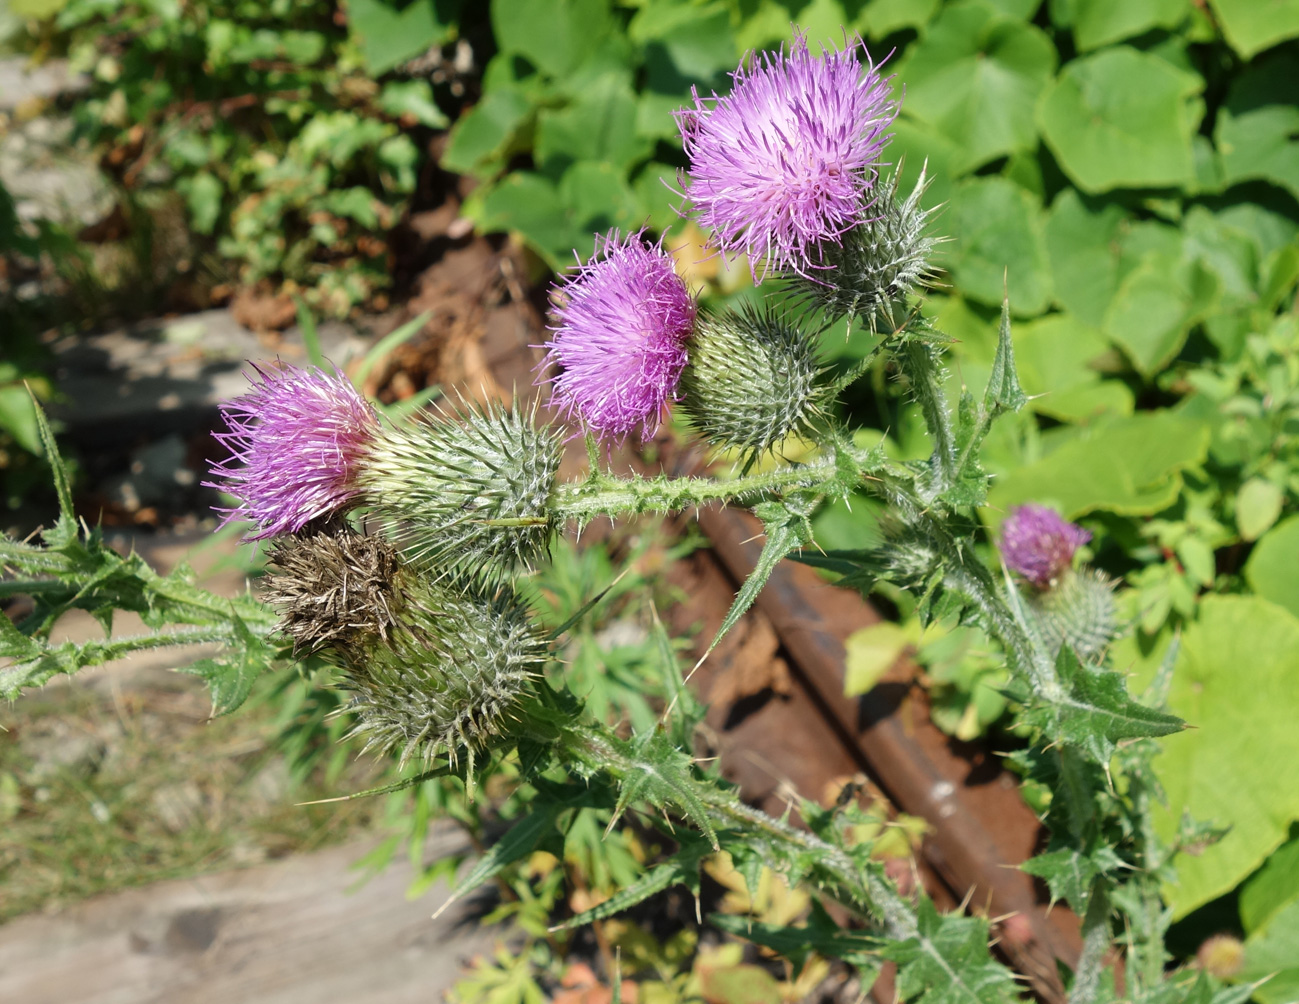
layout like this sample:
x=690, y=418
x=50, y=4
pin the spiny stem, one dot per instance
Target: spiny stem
x=607, y=495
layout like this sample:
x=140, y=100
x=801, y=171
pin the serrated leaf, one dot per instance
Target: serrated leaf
x=682, y=868
x=656, y=771
x=1070, y=872
x=819, y=936
x=230, y=677
x=947, y=962
x=786, y=531
x=1095, y=711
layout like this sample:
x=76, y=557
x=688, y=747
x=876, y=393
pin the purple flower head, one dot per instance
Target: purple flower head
x=1039, y=544
x=784, y=161
x=620, y=339
x=295, y=440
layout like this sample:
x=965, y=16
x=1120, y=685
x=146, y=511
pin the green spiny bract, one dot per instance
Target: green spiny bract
x=469, y=491
x=452, y=674
x=876, y=264
x=752, y=381
x=1078, y=611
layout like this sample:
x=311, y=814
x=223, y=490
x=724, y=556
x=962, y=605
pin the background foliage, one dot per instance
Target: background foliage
x=1127, y=172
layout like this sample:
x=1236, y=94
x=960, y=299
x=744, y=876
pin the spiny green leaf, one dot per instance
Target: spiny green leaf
x=1069, y=872
x=230, y=677
x=62, y=486
x=947, y=962
x=819, y=936
x=681, y=868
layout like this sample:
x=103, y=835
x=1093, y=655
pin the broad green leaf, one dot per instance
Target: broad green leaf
x=1254, y=25
x=999, y=245
x=1122, y=119
x=1053, y=354
x=916, y=145
x=696, y=40
x=1100, y=22
x=1273, y=568
x=389, y=36
x=1082, y=242
x=1235, y=685
x=1258, y=504
x=1128, y=466
x=883, y=17
x=487, y=130
x=1271, y=888
x=1274, y=952
x=600, y=126
x=975, y=76
x=530, y=205
x=18, y=417
x=1257, y=131
x=413, y=98
x=596, y=197
x=556, y=36
x=1155, y=308
x=869, y=652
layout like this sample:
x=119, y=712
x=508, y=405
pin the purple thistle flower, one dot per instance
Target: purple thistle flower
x=295, y=440
x=784, y=161
x=620, y=341
x=1039, y=544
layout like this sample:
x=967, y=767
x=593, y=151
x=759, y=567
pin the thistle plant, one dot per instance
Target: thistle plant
x=399, y=552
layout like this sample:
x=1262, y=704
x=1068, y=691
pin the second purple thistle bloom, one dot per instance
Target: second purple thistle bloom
x=785, y=161
x=620, y=339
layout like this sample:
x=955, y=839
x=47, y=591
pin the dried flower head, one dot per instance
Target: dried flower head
x=296, y=441
x=785, y=162
x=1039, y=543
x=620, y=339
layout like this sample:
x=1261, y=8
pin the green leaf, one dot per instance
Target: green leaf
x=530, y=204
x=1095, y=711
x=682, y=868
x=1235, y=684
x=975, y=75
x=413, y=98
x=1122, y=119
x=1271, y=888
x=1274, y=952
x=1155, y=308
x=947, y=962
x=819, y=936
x=556, y=36
x=230, y=677
x=1272, y=571
x=1100, y=22
x=1127, y=465
x=486, y=131
x=884, y=17
x=786, y=532
x=388, y=36
x=869, y=652
x=599, y=126
x=1000, y=245
x=1257, y=131
x=1069, y=872
x=1258, y=504
x=1082, y=240
x=596, y=197
x=1054, y=356
x=517, y=843
x=1254, y=25
x=18, y=417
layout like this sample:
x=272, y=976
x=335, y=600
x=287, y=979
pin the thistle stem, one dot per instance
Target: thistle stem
x=606, y=495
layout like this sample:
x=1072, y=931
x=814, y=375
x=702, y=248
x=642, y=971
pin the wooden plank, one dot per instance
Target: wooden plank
x=296, y=931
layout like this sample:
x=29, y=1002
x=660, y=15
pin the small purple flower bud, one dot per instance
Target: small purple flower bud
x=620, y=341
x=296, y=440
x=1039, y=543
x=784, y=162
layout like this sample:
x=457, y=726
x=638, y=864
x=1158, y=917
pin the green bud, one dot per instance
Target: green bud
x=877, y=263
x=469, y=491
x=752, y=381
x=1078, y=610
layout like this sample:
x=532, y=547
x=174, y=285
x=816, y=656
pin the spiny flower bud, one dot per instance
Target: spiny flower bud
x=1221, y=955
x=1078, y=611
x=434, y=666
x=469, y=490
x=752, y=380
x=873, y=266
